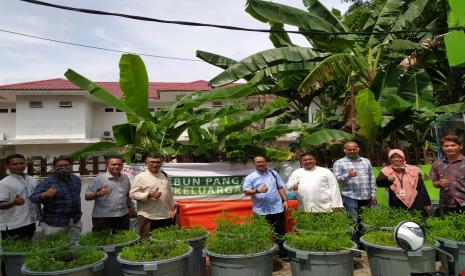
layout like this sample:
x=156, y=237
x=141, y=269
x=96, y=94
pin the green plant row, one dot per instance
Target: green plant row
x=322, y=222
x=388, y=217
x=233, y=237
x=386, y=238
x=14, y=245
x=146, y=251
x=174, y=233
x=319, y=242
x=103, y=238
x=451, y=227
x=61, y=258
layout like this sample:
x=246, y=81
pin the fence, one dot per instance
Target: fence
x=42, y=166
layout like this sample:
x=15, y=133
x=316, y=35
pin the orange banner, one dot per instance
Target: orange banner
x=204, y=212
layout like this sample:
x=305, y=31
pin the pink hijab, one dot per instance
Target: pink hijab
x=409, y=179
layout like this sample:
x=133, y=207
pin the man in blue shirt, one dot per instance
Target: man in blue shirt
x=60, y=195
x=268, y=198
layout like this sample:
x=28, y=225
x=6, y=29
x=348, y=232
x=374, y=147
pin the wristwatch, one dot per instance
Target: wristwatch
x=257, y=191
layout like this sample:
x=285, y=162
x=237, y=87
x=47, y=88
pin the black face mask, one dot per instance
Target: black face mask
x=63, y=172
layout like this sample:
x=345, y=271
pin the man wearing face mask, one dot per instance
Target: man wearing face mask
x=60, y=195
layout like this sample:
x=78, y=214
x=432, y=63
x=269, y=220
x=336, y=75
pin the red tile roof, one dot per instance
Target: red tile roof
x=113, y=87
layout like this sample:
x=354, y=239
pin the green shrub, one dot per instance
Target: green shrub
x=14, y=245
x=174, y=233
x=153, y=250
x=61, y=258
x=319, y=242
x=233, y=237
x=451, y=227
x=388, y=217
x=102, y=238
x=322, y=222
x=386, y=238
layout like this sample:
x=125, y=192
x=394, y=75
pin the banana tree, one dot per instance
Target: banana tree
x=145, y=132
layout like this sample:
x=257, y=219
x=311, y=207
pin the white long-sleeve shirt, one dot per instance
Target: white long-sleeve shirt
x=318, y=189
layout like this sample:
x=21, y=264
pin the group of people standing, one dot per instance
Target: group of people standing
x=352, y=185
x=56, y=200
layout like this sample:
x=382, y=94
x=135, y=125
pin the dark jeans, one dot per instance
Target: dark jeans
x=114, y=224
x=24, y=232
x=145, y=225
x=277, y=222
x=353, y=208
x=447, y=210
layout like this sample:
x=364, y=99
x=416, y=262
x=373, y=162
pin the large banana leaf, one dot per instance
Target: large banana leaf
x=316, y=8
x=125, y=134
x=416, y=88
x=229, y=126
x=200, y=117
x=214, y=59
x=369, y=115
x=196, y=99
x=133, y=83
x=99, y=92
x=271, y=132
x=385, y=83
x=317, y=21
x=280, y=39
x=326, y=136
x=384, y=17
x=337, y=66
x=264, y=59
x=273, y=154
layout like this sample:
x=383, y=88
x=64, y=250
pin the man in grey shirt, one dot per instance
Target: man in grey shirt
x=111, y=194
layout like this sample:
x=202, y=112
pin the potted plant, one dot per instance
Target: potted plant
x=387, y=218
x=163, y=258
x=13, y=250
x=386, y=258
x=241, y=248
x=195, y=236
x=67, y=260
x=450, y=233
x=320, y=253
x=110, y=243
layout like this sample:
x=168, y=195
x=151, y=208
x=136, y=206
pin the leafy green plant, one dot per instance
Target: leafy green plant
x=322, y=222
x=233, y=237
x=15, y=245
x=388, y=217
x=61, y=258
x=102, y=238
x=450, y=227
x=174, y=233
x=153, y=250
x=319, y=242
x=386, y=238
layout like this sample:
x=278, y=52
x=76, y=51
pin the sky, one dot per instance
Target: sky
x=25, y=59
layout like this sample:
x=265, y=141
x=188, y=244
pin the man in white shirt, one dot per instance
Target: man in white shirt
x=316, y=188
x=18, y=215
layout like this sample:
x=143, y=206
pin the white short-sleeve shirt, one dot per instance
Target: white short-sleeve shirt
x=17, y=216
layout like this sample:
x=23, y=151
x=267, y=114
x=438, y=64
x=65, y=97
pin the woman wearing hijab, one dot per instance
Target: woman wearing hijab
x=405, y=184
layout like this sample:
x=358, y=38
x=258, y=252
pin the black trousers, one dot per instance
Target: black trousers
x=145, y=225
x=447, y=210
x=277, y=222
x=111, y=224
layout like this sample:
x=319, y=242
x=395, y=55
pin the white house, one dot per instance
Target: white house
x=52, y=117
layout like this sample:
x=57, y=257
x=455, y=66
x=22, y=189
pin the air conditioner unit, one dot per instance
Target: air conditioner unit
x=2, y=136
x=107, y=134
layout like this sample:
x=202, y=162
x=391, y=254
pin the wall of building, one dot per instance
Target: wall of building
x=48, y=151
x=50, y=121
x=8, y=121
x=103, y=121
